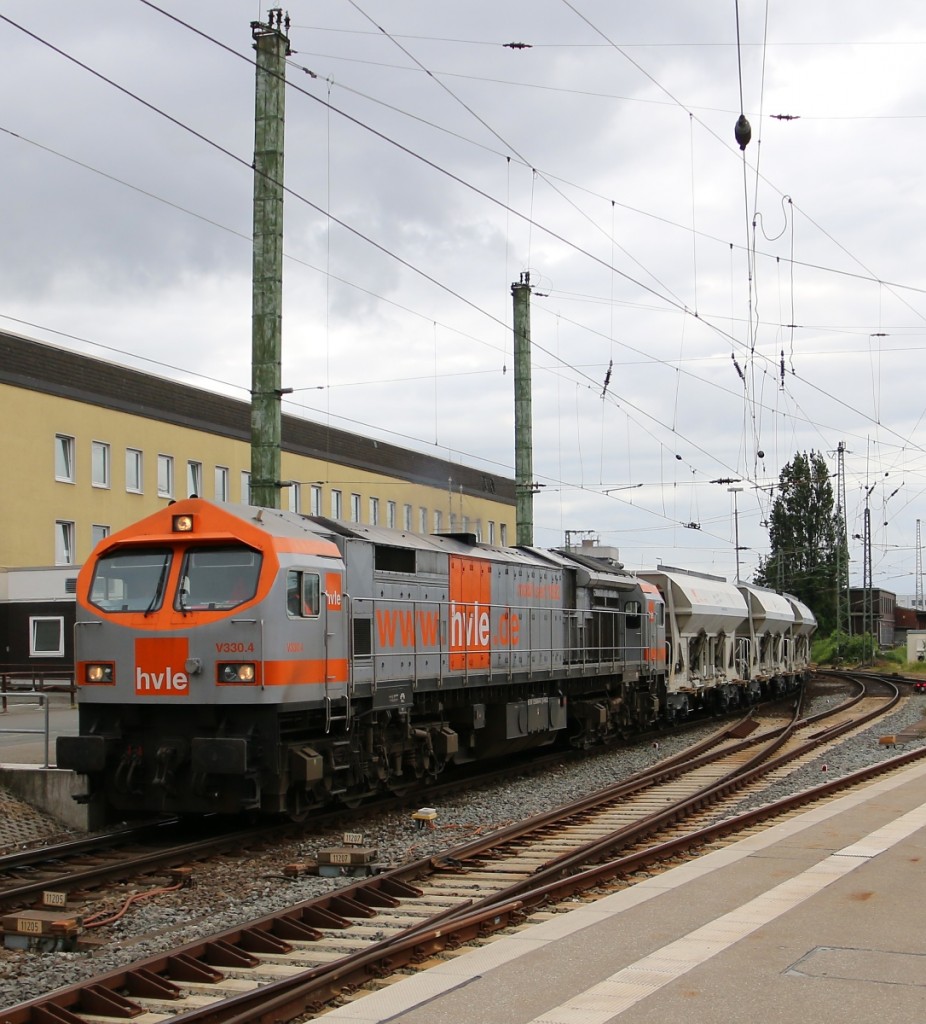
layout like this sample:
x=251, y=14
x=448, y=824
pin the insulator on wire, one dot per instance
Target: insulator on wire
x=743, y=131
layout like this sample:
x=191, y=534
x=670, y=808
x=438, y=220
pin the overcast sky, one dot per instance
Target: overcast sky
x=430, y=165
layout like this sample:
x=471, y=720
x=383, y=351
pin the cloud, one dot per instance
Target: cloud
x=609, y=172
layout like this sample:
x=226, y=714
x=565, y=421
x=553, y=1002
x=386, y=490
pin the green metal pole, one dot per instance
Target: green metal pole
x=523, y=430
x=272, y=47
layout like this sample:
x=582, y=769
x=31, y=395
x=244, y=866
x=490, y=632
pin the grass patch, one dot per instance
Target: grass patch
x=838, y=649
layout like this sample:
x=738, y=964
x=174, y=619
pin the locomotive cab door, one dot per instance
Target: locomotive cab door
x=337, y=676
x=634, y=641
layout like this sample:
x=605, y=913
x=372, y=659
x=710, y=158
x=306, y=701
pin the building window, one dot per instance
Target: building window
x=165, y=476
x=245, y=487
x=194, y=479
x=503, y=527
x=46, y=636
x=316, y=499
x=422, y=520
x=390, y=514
x=64, y=542
x=99, y=464
x=295, y=497
x=438, y=520
x=98, y=532
x=134, y=465
x=335, y=504
x=374, y=511
x=355, y=508
x=491, y=532
x=407, y=517
x=221, y=483
x=64, y=458
x=478, y=531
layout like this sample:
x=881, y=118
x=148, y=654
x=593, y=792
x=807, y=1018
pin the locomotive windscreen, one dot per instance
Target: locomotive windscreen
x=130, y=581
x=218, y=577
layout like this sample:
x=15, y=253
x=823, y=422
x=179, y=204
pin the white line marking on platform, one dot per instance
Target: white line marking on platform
x=609, y=998
x=413, y=992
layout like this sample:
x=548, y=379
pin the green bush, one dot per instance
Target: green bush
x=840, y=648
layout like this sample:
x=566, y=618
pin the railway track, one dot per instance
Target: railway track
x=79, y=866
x=282, y=964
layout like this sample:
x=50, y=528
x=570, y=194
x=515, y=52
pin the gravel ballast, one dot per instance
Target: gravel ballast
x=233, y=890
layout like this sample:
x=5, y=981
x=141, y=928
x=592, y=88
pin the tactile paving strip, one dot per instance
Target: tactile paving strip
x=21, y=824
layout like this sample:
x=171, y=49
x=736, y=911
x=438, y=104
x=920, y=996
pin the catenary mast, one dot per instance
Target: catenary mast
x=272, y=46
x=523, y=438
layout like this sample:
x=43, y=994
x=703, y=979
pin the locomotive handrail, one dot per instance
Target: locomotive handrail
x=502, y=653
x=537, y=630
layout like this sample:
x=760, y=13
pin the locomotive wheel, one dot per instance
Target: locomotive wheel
x=297, y=804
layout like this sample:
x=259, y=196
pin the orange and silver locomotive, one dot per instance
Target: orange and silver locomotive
x=232, y=658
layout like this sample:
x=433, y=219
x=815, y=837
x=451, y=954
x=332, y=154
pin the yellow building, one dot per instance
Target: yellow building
x=90, y=446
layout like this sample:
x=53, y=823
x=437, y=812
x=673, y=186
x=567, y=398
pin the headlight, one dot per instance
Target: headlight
x=182, y=524
x=237, y=672
x=99, y=673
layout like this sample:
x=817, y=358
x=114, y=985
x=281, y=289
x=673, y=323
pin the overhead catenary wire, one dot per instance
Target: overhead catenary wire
x=286, y=189
x=598, y=378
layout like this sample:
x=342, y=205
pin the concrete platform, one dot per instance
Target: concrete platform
x=821, y=919
x=27, y=757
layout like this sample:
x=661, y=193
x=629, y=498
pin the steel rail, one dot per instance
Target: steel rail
x=157, y=976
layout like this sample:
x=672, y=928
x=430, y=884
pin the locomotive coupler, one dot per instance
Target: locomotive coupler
x=129, y=764
x=165, y=762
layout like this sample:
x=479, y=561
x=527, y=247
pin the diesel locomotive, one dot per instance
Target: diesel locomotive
x=238, y=659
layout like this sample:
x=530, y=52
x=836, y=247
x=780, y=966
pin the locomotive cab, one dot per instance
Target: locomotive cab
x=194, y=628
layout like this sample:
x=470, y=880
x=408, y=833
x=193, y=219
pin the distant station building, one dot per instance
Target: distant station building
x=873, y=611
x=908, y=620
x=91, y=446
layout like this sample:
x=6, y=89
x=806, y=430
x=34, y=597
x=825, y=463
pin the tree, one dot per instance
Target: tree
x=808, y=555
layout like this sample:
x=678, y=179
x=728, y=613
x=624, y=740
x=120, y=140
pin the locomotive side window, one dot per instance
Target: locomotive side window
x=632, y=611
x=217, y=578
x=303, y=594
x=130, y=581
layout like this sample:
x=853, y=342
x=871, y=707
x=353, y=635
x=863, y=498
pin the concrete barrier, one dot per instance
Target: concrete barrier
x=52, y=790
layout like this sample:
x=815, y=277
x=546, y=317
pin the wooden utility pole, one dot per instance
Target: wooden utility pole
x=272, y=46
x=523, y=431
